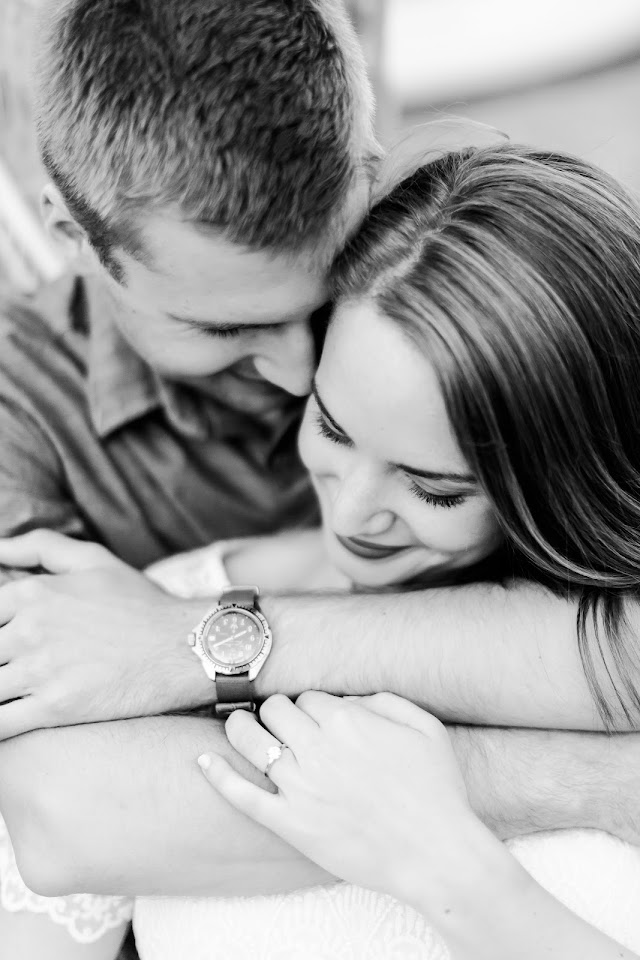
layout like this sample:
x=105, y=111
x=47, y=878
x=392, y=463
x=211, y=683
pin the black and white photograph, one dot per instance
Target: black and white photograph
x=319, y=480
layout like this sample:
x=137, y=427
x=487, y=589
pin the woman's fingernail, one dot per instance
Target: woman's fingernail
x=204, y=761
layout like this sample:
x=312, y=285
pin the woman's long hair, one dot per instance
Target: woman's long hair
x=517, y=274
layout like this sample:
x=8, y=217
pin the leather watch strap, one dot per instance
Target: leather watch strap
x=243, y=596
x=233, y=693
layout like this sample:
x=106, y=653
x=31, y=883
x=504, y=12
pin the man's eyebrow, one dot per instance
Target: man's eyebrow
x=466, y=478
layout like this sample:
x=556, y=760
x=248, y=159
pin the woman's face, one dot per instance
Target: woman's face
x=397, y=497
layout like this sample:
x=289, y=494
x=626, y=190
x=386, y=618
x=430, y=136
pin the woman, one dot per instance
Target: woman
x=475, y=412
x=475, y=415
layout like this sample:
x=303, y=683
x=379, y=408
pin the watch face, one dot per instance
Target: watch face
x=233, y=638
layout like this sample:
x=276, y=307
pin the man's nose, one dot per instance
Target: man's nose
x=289, y=359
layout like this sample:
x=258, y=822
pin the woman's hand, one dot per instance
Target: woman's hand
x=367, y=787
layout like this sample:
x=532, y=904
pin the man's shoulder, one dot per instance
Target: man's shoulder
x=49, y=311
x=38, y=330
x=41, y=353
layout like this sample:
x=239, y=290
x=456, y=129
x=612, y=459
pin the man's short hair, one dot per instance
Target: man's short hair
x=252, y=116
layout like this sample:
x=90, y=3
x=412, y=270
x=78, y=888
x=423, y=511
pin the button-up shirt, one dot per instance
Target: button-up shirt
x=95, y=444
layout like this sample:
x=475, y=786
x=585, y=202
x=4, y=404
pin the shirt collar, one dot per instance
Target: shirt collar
x=121, y=386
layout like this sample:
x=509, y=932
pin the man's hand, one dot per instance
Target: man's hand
x=98, y=641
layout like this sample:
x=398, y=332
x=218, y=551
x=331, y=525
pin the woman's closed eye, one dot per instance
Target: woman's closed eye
x=327, y=431
x=436, y=499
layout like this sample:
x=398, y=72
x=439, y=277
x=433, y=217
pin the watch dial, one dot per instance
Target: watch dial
x=233, y=638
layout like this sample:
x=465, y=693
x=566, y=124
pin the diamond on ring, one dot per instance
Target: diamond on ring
x=273, y=754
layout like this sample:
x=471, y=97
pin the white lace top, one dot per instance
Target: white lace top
x=87, y=917
x=594, y=874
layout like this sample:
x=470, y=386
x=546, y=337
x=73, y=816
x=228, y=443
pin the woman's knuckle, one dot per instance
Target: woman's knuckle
x=234, y=723
x=307, y=699
x=271, y=705
x=384, y=698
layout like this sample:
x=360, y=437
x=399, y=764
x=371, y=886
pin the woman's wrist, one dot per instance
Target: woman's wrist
x=465, y=898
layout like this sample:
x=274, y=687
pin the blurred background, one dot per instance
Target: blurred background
x=561, y=74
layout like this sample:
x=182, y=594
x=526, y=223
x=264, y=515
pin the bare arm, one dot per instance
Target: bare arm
x=483, y=653
x=122, y=808
x=521, y=781
x=479, y=654
x=494, y=910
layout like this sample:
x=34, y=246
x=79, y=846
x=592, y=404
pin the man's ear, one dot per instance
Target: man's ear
x=66, y=233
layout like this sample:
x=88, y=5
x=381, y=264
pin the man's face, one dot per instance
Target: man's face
x=202, y=304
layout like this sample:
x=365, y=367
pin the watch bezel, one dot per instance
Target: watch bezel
x=253, y=665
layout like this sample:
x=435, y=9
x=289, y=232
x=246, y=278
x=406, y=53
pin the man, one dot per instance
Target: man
x=199, y=193
x=186, y=194
x=203, y=175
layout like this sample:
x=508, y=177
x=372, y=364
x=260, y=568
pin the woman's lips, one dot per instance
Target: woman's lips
x=369, y=551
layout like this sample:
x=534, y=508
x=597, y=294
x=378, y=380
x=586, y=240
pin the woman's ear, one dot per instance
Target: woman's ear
x=67, y=234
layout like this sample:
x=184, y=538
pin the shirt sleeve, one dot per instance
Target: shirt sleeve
x=33, y=489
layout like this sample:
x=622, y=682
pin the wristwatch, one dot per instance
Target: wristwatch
x=233, y=641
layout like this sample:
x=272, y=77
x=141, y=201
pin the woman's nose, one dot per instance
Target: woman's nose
x=357, y=507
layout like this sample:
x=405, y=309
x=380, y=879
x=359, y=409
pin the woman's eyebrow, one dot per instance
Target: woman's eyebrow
x=325, y=412
x=466, y=478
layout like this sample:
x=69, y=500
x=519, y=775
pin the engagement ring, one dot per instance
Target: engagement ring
x=273, y=754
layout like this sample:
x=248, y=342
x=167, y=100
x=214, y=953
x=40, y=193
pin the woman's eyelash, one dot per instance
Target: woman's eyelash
x=437, y=501
x=329, y=434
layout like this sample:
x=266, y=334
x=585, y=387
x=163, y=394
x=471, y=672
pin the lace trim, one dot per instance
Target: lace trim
x=87, y=917
x=337, y=922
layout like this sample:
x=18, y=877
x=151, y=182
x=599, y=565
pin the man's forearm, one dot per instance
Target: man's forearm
x=482, y=653
x=121, y=807
x=523, y=781
x=479, y=654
